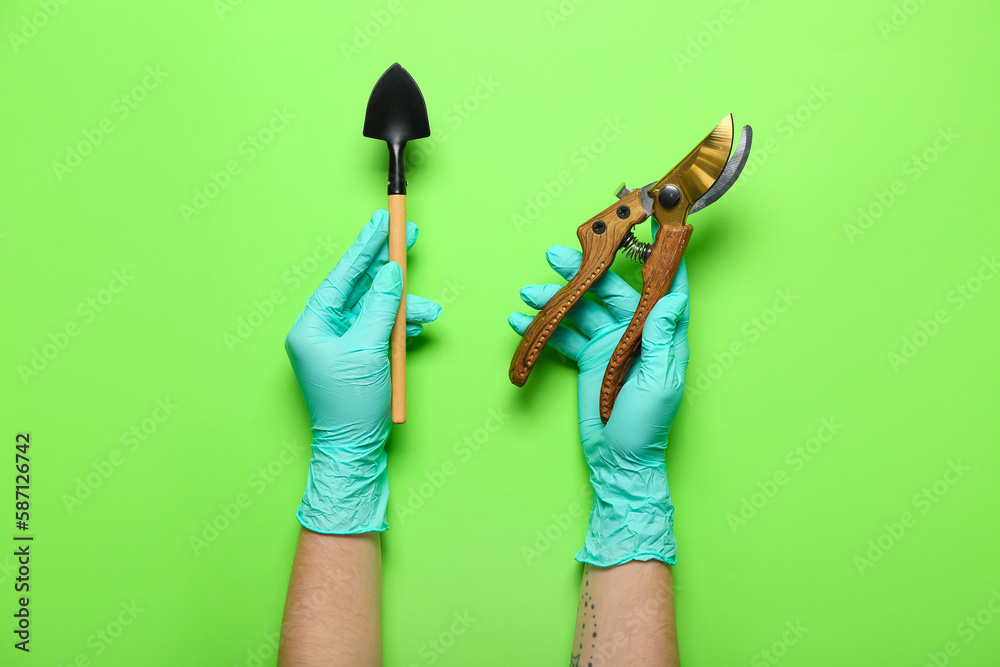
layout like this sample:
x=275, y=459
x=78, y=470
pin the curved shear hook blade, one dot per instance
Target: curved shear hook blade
x=729, y=174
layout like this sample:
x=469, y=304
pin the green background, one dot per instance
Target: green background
x=848, y=101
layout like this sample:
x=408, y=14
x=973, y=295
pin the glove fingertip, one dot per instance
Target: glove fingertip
x=389, y=279
x=421, y=309
x=518, y=322
x=560, y=255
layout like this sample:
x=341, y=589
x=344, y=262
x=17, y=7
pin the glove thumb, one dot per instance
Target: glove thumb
x=378, y=312
x=658, y=367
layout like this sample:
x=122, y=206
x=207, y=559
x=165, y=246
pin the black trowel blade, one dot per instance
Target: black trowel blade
x=396, y=111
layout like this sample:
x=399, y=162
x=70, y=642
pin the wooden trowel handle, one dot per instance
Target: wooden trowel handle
x=397, y=343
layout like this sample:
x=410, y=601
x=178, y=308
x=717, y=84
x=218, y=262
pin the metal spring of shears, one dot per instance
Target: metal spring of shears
x=634, y=249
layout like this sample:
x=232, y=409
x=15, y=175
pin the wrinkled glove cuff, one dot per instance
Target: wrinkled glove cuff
x=626, y=526
x=344, y=498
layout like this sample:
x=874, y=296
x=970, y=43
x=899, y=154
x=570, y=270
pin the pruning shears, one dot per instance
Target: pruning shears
x=704, y=175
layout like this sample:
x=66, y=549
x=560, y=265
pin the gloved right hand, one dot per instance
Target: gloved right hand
x=632, y=515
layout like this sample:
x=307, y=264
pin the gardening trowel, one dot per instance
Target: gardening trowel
x=396, y=114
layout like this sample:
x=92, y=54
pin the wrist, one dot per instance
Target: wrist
x=352, y=435
x=631, y=519
x=344, y=495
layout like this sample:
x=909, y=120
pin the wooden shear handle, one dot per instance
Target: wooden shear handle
x=600, y=238
x=549, y=317
x=657, y=276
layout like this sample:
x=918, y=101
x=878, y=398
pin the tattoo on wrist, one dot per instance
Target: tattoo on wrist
x=588, y=628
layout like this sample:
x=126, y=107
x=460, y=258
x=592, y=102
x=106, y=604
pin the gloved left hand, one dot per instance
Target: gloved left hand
x=338, y=348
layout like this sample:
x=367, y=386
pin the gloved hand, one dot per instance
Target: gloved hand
x=339, y=347
x=632, y=516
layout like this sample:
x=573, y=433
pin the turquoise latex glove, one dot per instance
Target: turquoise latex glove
x=339, y=347
x=632, y=516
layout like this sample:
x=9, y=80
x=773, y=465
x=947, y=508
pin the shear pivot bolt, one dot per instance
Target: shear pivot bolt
x=668, y=196
x=599, y=227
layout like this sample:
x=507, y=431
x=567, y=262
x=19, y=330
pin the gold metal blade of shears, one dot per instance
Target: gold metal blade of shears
x=699, y=170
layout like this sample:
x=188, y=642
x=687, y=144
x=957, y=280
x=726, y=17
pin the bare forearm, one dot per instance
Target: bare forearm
x=333, y=612
x=626, y=617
